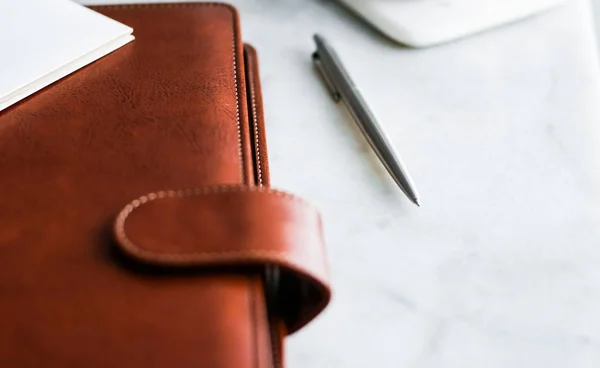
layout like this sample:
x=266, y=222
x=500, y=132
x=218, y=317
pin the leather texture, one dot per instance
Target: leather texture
x=228, y=226
x=138, y=228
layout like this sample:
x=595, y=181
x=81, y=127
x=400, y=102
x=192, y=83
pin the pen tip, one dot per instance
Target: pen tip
x=318, y=39
x=416, y=200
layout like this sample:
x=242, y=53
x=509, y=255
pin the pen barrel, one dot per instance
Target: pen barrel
x=378, y=140
x=343, y=88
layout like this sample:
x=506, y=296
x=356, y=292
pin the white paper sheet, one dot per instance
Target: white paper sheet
x=42, y=41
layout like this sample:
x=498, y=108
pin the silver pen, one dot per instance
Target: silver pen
x=343, y=89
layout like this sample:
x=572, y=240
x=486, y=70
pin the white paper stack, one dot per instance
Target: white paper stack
x=42, y=41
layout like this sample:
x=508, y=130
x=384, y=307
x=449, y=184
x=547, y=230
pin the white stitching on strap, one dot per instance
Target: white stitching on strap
x=124, y=214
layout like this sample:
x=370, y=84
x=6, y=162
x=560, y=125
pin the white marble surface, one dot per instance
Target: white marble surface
x=500, y=266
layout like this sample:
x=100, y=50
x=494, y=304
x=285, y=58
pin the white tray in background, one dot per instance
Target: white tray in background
x=423, y=23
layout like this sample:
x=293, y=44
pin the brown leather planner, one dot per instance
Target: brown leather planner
x=137, y=226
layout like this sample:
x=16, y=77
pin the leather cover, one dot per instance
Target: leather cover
x=138, y=227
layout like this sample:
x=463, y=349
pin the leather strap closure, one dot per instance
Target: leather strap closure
x=234, y=226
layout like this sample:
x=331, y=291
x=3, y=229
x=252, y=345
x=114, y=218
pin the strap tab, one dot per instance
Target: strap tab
x=234, y=225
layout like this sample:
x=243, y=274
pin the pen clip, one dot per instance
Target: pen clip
x=330, y=86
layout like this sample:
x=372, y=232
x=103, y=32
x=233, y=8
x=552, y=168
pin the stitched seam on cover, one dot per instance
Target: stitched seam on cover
x=237, y=105
x=160, y=5
x=234, y=53
x=256, y=140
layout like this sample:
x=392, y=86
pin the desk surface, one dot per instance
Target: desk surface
x=500, y=266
